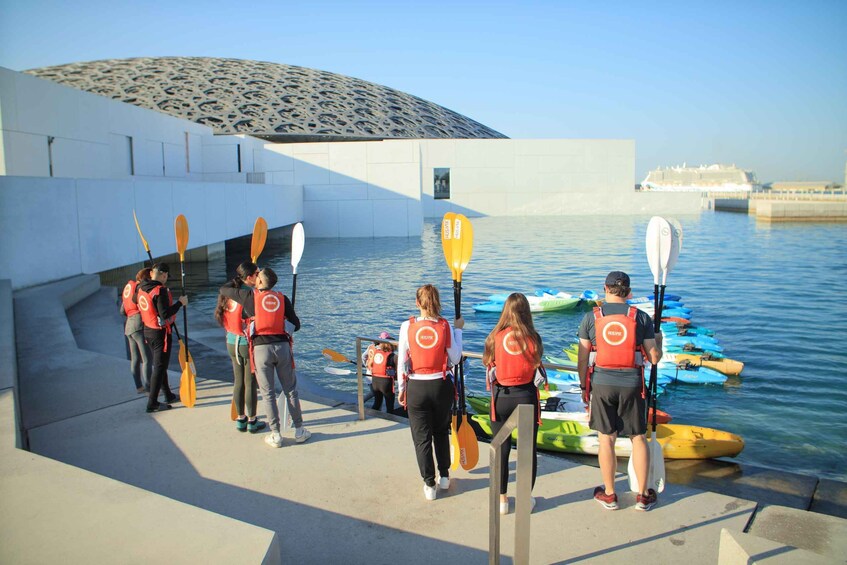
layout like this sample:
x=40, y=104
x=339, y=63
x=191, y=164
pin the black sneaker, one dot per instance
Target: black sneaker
x=171, y=399
x=159, y=407
x=255, y=426
x=647, y=501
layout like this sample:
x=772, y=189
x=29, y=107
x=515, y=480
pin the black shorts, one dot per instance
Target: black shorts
x=616, y=409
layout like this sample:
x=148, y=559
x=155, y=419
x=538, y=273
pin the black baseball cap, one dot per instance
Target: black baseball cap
x=617, y=278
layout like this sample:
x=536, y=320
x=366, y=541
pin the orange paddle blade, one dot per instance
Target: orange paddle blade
x=462, y=245
x=187, y=387
x=336, y=356
x=141, y=235
x=181, y=355
x=181, y=231
x=447, y=240
x=233, y=413
x=260, y=236
x=468, y=445
x=454, y=444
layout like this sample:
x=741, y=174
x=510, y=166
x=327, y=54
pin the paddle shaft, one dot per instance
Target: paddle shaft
x=293, y=289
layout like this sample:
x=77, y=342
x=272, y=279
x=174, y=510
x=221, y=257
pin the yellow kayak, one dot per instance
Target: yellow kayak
x=678, y=441
x=723, y=365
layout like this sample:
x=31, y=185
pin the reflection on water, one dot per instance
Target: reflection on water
x=772, y=293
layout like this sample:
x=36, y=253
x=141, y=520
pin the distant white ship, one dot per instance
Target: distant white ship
x=712, y=178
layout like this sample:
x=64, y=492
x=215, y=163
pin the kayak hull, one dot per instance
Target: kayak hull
x=724, y=365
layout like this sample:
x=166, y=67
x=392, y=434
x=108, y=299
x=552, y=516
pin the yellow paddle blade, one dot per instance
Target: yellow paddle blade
x=336, y=356
x=462, y=245
x=141, y=235
x=181, y=355
x=187, y=387
x=454, y=444
x=260, y=236
x=181, y=231
x=233, y=413
x=468, y=445
x=447, y=240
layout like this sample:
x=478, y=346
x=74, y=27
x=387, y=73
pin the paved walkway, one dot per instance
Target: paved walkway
x=352, y=493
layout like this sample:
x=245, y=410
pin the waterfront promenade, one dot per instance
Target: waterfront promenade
x=184, y=486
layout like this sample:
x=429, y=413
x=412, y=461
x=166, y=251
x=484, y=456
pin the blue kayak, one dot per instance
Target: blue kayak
x=692, y=350
x=645, y=300
x=672, y=328
x=702, y=342
x=667, y=297
x=693, y=375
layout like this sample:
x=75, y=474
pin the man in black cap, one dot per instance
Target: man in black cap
x=613, y=342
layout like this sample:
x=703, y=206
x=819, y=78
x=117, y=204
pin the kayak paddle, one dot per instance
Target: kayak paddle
x=462, y=249
x=447, y=248
x=298, y=241
x=187, y=386
x=257, y=245
x=333, y=355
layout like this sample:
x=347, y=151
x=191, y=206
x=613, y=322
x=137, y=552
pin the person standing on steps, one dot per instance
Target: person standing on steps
x=614, y=340
x=268, y=312
x=158, y=310
x=382, y=365
x=140, y=356
x=512, y=356
x=229, y=314
x=427, y=347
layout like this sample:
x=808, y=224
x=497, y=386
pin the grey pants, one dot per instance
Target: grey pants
x=276, y=357
x=140, y=361
x=244, y=385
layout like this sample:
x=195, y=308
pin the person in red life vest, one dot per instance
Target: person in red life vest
x=269, y=314
x=139, y=354
x=158, y=310
x=428, y=346
x=229, y=314
x=512, y=355
x=382, y=365
x=613, y=341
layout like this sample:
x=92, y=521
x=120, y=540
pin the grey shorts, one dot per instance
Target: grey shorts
x=617, y=409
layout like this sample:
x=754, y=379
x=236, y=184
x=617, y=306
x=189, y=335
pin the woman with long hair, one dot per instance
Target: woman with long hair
x=229, y=314
x=512, y=355
x=427, y=346
x=140, y=357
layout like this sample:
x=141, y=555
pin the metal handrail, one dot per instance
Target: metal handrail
x=523, y=419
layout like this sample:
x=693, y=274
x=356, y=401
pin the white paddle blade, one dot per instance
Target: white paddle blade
x=677, y=231
x=653, y=242
x=337, y=371
x=656, y=476
x=298, y=242
x=630, y=471
x=676, y=245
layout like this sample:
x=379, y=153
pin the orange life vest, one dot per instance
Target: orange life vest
x=513, y=359
x=615, y=340
x=130, y=307
x=233, y=322
x=428, y=343
x=149, y=313
x=269, y=317
x=379, y=364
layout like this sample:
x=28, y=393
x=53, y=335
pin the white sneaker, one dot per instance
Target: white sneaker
x=504, y=507
x=430, y=492
x=302, y=434
x=444, y=483
x=273, y=439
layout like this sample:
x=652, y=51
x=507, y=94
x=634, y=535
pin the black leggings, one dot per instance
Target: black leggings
x=430, y=405
x=383, y=387
x=506, y=400
x=161, y=359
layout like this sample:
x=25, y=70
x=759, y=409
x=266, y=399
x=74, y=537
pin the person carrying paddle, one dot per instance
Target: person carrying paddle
x=428, y=345
x=158, y=310
x=228, y=314
x=512, y=355
x=381, y=363
x=139, y=352
x=268, y=313
x=613, y=340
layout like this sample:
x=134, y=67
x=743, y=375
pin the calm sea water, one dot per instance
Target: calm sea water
x=773, y=294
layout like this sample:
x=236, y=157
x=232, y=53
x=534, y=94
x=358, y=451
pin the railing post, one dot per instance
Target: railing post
x=360, y=379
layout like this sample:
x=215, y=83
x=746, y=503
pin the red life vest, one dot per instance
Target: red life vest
x=147, y=308
x=130, y=307
x=514, y=359
x=379, y=364
x=615, y=340
x=428, y=343
x=233, y=322
x=269, y=318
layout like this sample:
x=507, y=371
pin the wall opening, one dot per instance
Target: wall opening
x=441, y=183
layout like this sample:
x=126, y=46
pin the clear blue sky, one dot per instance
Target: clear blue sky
x=759, y=84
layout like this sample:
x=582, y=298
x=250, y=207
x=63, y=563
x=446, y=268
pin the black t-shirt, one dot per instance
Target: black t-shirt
x=643, y=330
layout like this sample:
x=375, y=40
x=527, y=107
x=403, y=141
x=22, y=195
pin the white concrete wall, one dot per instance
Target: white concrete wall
x=56, y=228
x=88, y=133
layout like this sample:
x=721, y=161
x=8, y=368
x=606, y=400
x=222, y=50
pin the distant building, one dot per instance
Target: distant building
x=711, y=178
x=802, y=186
